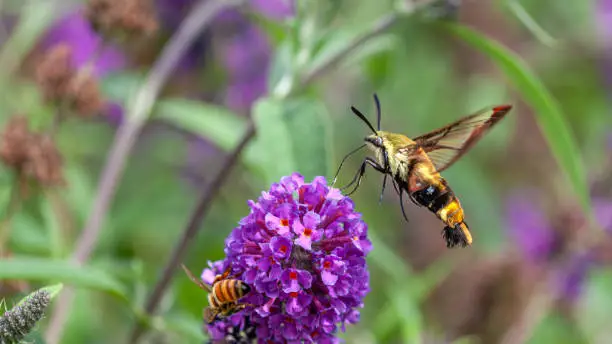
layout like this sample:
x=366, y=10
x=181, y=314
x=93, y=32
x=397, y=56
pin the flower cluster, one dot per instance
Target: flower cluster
x=302, y=248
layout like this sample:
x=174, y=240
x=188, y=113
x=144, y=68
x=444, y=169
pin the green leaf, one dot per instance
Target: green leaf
x=220, y=125
x=187, y=326
x=548, y=112
x=407, y=310
x=54, y=289
x=592, y=312
x=37, y=269
x=49, y=212
x=554, y=328
x=293, y=135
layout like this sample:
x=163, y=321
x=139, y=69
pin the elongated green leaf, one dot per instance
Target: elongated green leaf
x=37, y=269
x=548, y=112
x=293, y=135
x=220, y=125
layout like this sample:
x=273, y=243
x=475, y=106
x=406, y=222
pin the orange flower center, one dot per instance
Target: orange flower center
x=284, y=222
x=327, y=265
x=293, y=294
x=307, y=232
x=283, y=248
x=293, y=275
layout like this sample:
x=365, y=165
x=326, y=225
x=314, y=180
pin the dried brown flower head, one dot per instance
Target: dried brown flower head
x=44, y=162
x=54, y=72
x=14, y=142
x=65, y=86
x=84, y=94
x=132, y=18
x=31, y=155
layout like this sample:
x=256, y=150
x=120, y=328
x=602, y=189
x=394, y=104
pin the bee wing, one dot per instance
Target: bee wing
x=446, y=145
x=210, y=315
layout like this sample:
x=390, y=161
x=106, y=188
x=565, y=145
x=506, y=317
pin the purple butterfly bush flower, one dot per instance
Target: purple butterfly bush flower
x=302, y=249
x=246, y=54
x=536, y=238
x=571, y=276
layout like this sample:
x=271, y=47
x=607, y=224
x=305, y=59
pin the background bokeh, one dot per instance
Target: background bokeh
x=539, y=268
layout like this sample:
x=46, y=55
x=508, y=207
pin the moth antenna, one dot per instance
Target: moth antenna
x=363, y=118
x=378, y=112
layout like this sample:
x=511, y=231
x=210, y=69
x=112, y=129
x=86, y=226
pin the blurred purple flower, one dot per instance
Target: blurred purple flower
x=602, y=207
x=274, y=9
x=604, y=19
x=76, y=32
x=536, y=237
x=572, y=276
x=246, y=54
x=300, y=294
x=529, y=228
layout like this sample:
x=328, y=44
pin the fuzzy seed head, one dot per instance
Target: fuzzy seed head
x=16, y=323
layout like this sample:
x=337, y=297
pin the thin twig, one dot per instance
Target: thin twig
x=194, y=224
x=198, y=19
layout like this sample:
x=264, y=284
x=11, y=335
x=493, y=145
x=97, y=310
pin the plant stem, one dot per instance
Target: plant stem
x=199, y=18
x=194, y=224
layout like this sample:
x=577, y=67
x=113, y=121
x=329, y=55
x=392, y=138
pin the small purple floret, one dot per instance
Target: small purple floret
x=302, y=248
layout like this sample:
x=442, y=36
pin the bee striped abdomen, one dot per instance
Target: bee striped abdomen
x=229, y=290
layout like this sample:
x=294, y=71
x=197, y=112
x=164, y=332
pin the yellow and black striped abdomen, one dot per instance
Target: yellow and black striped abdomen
x=228, y=290
x=441, y=200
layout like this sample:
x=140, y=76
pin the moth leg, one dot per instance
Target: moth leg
x=401, y=199
x=386, y=168
x=382, y=191
x=361, y=172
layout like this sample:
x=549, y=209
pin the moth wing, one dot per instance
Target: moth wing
x=447, y=144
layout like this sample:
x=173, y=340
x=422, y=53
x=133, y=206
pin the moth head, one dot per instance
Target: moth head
x=374, y=141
